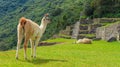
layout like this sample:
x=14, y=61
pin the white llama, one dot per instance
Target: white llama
x=29, y=30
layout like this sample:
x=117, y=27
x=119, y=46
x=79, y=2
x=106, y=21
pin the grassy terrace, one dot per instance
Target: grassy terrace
x=67, y=54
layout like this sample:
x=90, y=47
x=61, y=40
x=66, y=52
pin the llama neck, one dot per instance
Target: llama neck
x=43, y=27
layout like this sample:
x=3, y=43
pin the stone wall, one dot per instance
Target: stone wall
x=75, y=30
x=109, y=31
x=67, y=31
x=86, y=27
x=103, y=20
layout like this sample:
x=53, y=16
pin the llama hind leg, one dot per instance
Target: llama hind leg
x=25, y=45
x=25, y=49
x=20, y=37
x=18, y=46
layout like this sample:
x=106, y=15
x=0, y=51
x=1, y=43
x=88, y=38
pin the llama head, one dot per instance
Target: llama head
x=46, y=18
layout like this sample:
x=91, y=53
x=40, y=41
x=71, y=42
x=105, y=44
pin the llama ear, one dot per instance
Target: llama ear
x=46, y=15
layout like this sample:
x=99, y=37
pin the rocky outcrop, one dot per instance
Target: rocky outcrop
x=109, y=31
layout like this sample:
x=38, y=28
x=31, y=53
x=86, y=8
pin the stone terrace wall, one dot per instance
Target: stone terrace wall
x=107, y=32
x=86, y=27
x=102, y=20
x=66, y=31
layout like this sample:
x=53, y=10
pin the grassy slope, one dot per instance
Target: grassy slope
x=99, y=54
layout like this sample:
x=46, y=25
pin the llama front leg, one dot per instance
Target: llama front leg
x=35, y=46
x=32, y=46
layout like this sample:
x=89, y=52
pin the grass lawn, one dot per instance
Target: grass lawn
x=67, y=54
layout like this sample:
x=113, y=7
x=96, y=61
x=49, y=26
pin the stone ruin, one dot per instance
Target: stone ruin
x=109, y=32
x=75, y=29
x=104, y=20
x=80, y=29
x=95, y=27
x=84, y=29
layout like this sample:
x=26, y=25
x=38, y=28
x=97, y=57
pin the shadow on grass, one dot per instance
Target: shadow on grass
x=48, y=43
x=42, y=61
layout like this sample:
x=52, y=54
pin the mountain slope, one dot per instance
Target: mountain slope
x=8, y=6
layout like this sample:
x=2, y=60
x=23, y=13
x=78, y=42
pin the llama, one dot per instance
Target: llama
x=29, y=30
x=84, y=41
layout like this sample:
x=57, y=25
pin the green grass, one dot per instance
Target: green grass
x=109, y=24
x=67, y=54
x=65, y=36
x=106, y=23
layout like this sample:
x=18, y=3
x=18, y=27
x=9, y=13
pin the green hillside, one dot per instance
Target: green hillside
x=67, y=54
x=63, y=13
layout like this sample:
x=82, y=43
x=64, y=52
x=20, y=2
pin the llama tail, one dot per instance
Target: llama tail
x=22, y=23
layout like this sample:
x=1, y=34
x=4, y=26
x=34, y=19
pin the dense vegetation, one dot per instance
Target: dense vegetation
x=63, y=13
x=102, y=8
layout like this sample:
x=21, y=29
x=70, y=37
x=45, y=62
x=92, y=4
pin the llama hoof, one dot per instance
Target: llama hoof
x=31, y=55
x=34, y=57
x=25, y=58
x=17, y=58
